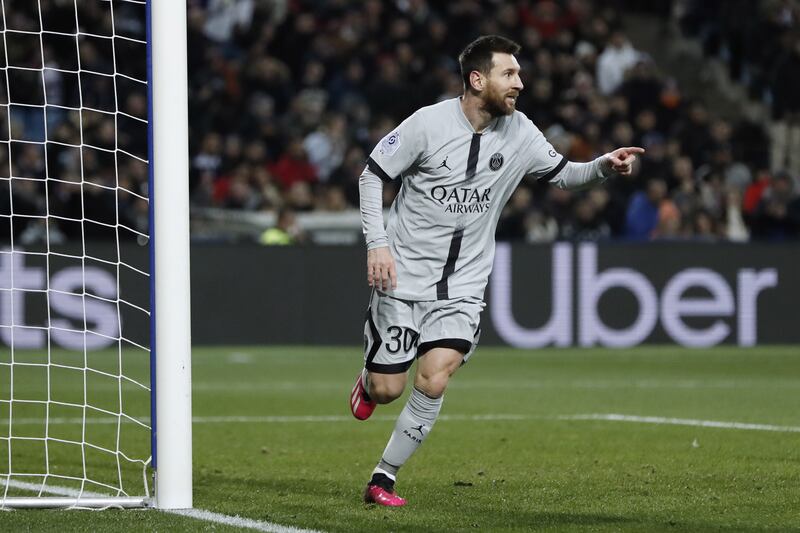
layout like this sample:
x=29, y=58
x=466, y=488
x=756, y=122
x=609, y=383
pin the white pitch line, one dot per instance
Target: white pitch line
x=609, y=417
x=238, y=521
x=613, y=417
x=198, y=514
x=263, y=419
x=348, y=418
x=680, y=384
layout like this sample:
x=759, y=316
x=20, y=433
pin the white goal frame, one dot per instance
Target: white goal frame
x=169, y=211
x=170, y=348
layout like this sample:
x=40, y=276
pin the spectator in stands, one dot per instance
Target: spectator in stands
x=785, y=130
x=643, y=211
x=692, y=131
x=754, y=192
x=735, y=227
x=685, y=192
x=586, y=223
x=541, y=228
x=285, y=231
x=512, y=223
x=224, y=19
x=331, y=198
x=300, y=197
x=777, y=216
x=268, y=192
x=235, y=191
x=704, y=226
x=346, y=176
x=670, y=221
x=326, y=145
x=642, y=88
x=293, y=166
x=614, y=61
x=208, y=160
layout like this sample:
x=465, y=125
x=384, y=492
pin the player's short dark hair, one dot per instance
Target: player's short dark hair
x=478, y=54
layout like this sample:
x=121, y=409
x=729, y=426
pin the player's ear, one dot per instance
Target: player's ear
x=476, y=80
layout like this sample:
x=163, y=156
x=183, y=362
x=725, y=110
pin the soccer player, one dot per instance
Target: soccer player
x=459, y=161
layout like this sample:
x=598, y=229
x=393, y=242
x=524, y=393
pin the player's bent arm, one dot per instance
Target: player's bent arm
x=583, y=175
x=370, y=188
x=381, y=270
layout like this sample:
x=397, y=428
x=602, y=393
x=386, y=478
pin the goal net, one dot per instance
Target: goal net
x=75, y=254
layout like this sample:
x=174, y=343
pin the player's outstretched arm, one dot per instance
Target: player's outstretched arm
x=621, y=160
x=581, y=175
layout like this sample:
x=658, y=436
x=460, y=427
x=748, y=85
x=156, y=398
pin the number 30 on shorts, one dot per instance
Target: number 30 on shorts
x=399, y=337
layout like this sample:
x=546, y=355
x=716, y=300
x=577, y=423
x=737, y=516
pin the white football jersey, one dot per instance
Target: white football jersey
x=455, y=183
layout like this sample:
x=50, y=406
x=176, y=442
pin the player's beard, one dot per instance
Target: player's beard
x=494, y=102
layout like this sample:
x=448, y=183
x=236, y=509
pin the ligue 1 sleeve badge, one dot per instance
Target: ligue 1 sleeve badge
x=496, y=161
x=390, y=143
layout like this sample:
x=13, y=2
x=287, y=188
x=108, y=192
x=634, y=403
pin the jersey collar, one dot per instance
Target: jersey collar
x=462, y=118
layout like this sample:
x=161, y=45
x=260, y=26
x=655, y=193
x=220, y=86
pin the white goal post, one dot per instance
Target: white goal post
x=95, y=410
x=173, y=387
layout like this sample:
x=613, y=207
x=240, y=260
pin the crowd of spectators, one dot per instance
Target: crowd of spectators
x=288, y=97
x=759, y=42
x=73, y=122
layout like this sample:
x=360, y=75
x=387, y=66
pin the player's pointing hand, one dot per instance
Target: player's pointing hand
x=622, y=159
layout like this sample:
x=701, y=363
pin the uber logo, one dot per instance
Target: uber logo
x=670, y=308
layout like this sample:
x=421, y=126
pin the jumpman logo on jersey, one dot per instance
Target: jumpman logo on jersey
x=444, y=164
x=419, y=428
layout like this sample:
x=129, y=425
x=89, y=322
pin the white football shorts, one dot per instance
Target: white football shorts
x=398, y=331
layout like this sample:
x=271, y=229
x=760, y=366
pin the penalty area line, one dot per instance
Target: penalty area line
x=197, y=514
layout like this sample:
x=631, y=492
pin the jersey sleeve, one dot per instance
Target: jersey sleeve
x=399, y=150
x=543, y=162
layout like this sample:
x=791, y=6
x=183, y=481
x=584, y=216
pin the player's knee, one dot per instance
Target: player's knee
x=385, y=393
x=433, y=384
x=383, y=390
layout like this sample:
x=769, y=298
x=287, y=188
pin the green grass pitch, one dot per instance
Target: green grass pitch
x=524, y=466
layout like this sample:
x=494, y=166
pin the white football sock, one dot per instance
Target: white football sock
x=412, y=427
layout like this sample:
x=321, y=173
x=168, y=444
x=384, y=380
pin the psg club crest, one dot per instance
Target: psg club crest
x=496, y=161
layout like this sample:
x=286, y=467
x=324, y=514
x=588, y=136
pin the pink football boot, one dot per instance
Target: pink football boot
x=360, y=404
x=381, y=496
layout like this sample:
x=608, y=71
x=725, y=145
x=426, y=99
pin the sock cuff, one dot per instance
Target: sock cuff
x=425, y=395
x=390, y=475
x=424, y=407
